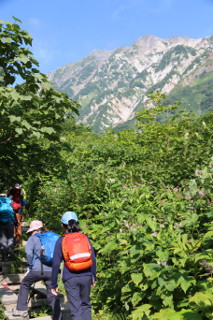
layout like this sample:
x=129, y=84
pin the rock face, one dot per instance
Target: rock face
x=112, y=85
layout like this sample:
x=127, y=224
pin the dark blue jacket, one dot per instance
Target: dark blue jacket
x=66, y=273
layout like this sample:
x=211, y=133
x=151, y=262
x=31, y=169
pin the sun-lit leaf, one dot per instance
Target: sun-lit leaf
x=136, y=277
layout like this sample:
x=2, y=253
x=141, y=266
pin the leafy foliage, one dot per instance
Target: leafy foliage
x=146, y=203
x=31, y=112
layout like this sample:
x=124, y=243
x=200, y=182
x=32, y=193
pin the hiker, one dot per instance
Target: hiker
x=16, y=195
x=7, y=221
x=79, y=282
x=37, y=271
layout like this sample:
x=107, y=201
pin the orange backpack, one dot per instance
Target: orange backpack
x=76, y=251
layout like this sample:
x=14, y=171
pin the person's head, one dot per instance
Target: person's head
x=70, y=222
x=17, y=186
x=35, y=226
x=3, y=194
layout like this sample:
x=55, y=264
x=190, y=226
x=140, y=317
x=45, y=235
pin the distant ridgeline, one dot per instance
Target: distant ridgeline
x=112, y=85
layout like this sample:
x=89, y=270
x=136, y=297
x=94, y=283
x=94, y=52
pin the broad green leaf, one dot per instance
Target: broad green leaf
x=19, y=130
x=168, y=314
x=48, y=130
x=46, y=85
x=151, y=270
x=36, y=134
x=186, y=281
x=168, y=300
x=136, y=298
x=22, y=58
x=161, y=282
x=14, y=118
x=171, y=285
x=126, y=289
x=202, y=299
x=137, y=277
x=185, y=285
x=144, y=286
x=111, y=245
x=190, y=314
x=27, y=97
x=26, y=124
x=14, y=95
x=138, y=313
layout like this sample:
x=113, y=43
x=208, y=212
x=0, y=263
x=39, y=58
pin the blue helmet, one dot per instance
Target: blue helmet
x=69, y=215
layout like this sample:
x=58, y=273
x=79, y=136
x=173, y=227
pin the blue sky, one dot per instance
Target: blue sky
x=65, y=31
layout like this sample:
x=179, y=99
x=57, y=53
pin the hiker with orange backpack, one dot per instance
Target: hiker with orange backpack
x=79, y=272
x=16, y=195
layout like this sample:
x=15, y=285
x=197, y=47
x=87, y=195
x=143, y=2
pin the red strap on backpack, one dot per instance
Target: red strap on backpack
x=16, y=205
x=76, y=251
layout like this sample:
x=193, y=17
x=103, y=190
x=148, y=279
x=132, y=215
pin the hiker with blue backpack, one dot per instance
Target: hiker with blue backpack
x=79, y=271
x=7, y=221
x=39, y=253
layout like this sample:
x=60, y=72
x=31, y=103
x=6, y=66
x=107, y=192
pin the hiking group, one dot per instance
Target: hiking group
x=11, y=209
x=45, y=251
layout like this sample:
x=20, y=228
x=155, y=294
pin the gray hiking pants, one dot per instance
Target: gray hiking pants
x=78, y=294
x=30, y=278
x=6, y=236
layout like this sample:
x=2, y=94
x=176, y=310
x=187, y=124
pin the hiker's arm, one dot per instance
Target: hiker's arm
x=93, y=268
x=30, y=251
x=57, y=258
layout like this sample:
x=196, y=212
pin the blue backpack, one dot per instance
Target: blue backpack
x=6, y=210
x=48, y=240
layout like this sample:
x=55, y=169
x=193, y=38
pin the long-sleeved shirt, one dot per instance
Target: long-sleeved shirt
x=66, y=273
x=33, y=248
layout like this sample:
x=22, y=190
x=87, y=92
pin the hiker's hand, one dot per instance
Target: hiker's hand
x=54, y=291
x=93, y=281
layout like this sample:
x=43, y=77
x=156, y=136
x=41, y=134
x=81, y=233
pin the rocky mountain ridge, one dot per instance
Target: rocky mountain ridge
x=112, y=85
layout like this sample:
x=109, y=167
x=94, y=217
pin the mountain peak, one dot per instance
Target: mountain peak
x=148, y=43
x=146, y=40
x=112, y=85
x=100, y=53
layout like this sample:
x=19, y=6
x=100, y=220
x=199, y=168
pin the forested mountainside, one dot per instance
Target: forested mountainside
x=112, y=85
